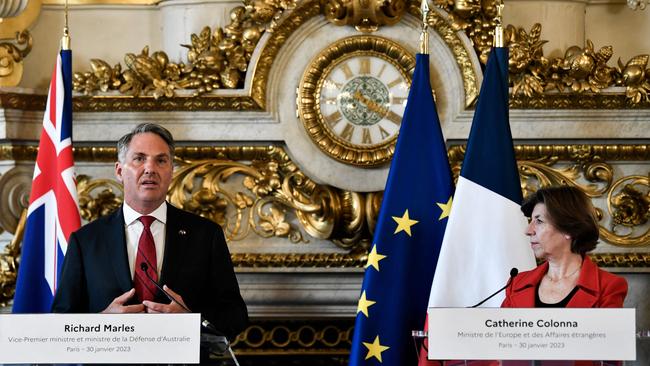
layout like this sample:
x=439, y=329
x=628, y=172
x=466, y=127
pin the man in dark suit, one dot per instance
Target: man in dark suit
x=108, y=261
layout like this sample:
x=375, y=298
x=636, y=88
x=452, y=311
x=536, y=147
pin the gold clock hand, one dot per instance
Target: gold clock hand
x=371, y=104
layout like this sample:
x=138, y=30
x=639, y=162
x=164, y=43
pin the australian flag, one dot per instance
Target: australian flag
x=409, y=232
x=53, y=212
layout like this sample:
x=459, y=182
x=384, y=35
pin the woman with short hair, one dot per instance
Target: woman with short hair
x=563, y=228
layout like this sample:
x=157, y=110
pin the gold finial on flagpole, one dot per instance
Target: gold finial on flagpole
x=498, y=30
x=424, y=36
x=65, y=40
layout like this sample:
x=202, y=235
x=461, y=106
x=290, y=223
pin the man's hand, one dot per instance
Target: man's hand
x=173, y=307
x=118, y=307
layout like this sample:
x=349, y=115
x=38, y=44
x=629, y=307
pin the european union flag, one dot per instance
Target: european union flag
x=409, y=232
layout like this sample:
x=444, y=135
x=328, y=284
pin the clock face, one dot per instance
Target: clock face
x=352, y=99
x=362, y=100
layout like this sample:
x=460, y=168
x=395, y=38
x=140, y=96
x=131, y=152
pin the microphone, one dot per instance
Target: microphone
x=212, y=340
x=204, y=322
x=513, y=273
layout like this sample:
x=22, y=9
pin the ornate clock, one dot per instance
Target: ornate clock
x=352, y=97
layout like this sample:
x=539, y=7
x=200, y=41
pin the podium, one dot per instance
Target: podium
x=530, y=336
x=111, y=339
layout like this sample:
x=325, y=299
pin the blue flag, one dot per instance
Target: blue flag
x=409, y=232
x=485, y=234
x=53, y=212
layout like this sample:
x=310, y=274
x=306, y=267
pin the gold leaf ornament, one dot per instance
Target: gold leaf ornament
x=274, y=223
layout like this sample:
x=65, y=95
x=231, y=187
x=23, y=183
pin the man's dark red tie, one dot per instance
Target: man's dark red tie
x=144, y=288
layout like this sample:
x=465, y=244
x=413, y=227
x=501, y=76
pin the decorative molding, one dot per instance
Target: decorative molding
x=11, y=58
x=215, y=60
x=295, y=337
x=303, y=12
x=101, y=2
x=9, y=261
x=582, y=70
x=22, y=21
x=300, y=260
x=221, y=59
x=11, y=8
x=15, y=185
x=621, y=260
x=627, y=197
x=81, y=153
x=265, y=194
x=23, y=102
x=98, y=197
x=579, y=152
x=32, y=102
x=175, y=103
x=365, y=16
x=19, y=152
x=576, y=101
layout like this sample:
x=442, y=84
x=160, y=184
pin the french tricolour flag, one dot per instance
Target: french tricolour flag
x=485, y=236
x=53, y=212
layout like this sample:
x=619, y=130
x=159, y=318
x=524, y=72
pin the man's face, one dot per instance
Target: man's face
x=146, y=172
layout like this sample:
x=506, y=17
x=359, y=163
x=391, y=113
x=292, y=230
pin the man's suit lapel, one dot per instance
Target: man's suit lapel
x=175, y=236
x=116, y=246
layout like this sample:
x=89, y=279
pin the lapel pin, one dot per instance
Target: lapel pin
x=182, y=232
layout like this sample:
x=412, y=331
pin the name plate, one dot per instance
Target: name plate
x=100, y=338
x=531, y=334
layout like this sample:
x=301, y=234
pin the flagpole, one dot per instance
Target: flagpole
x=424, y=36
x=498, y=29
x=65, y=40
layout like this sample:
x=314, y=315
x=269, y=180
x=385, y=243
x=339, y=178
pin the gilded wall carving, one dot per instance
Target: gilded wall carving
x=11, y=58
x=581, y=70
x=220, y=58
x=590, y=168
x=215, y=59
x=365, y=16
x=295, y=337
x=256, y=190
x=259, y=191
x=14, y=195
x=9, y=261
x=16, y=16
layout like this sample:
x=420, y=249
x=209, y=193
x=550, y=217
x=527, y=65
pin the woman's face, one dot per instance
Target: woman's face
x=545, y=240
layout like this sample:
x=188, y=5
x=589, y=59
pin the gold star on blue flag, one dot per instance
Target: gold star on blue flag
x=446, y=208
x=408, y=235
